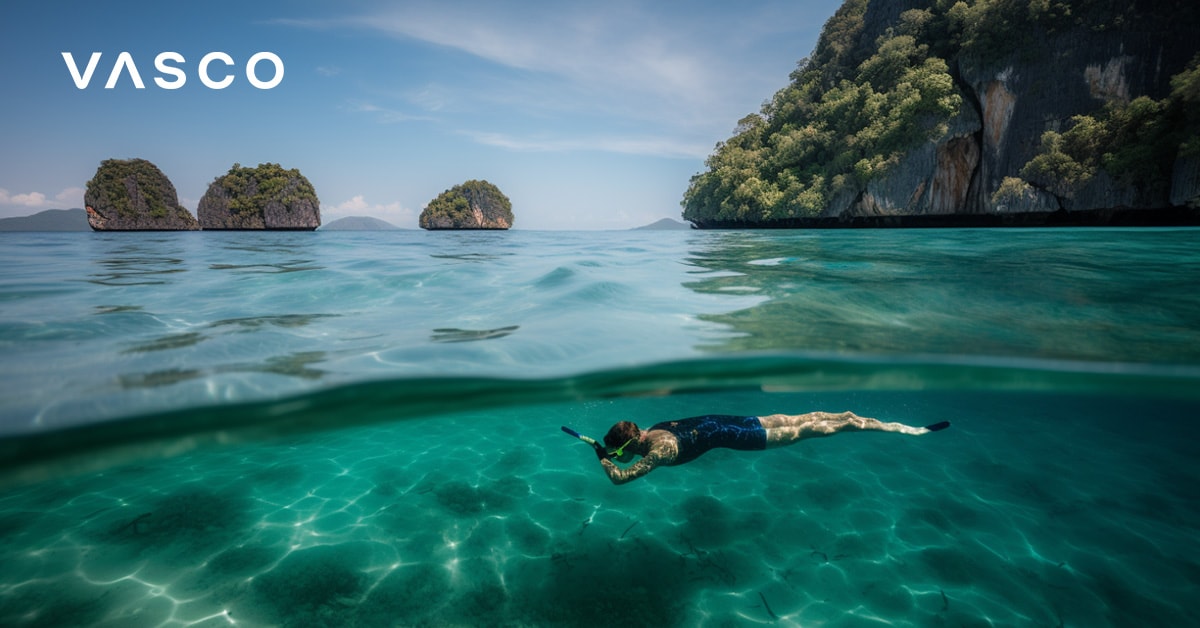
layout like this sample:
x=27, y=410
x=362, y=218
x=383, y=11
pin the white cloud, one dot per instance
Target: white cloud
x=357, y=205
x=328, y=70
x=70, y=197
x=31, y=199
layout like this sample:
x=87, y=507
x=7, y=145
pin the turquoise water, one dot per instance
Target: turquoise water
x=363, y=429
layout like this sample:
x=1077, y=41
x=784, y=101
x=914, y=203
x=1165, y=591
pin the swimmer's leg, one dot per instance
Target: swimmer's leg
x=785, y=429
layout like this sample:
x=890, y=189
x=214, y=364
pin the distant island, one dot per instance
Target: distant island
x=469, y=205
x=134, y=195
x=263, y=197
x=990, y=113
x=666, y=224
x=359, y=223
x=48, y=220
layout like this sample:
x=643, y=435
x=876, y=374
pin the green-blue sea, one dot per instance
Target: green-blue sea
x=363, y=429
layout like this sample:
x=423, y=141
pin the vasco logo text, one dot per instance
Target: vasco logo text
x=172, y=76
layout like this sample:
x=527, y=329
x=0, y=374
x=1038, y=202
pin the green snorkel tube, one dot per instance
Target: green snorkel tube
x=601, y=453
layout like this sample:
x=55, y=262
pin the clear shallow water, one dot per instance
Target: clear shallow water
x=362, y=429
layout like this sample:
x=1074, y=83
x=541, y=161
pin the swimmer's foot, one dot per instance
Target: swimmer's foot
x=937, y=427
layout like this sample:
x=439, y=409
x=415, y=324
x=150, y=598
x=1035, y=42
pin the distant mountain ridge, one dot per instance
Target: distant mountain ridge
x=666, y=224
x=48, y=220
x=359, y=223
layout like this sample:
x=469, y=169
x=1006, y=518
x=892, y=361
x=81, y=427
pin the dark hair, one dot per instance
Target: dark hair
x=620, y=433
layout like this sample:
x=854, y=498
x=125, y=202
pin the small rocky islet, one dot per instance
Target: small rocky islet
x=135, y=195
x=470, y=205
x=265, y=197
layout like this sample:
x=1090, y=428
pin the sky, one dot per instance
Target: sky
x=587, y=115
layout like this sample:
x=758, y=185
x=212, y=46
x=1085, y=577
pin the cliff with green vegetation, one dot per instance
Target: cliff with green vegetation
x=134, y=195
x=266, y=197
x=470, y=205
x=945, y=112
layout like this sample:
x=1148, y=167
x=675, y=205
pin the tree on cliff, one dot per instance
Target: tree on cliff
x=1138, y=142
x=265, y=197
x=846, y=116
x=470, y=205
x=134, y=195
x=888, y=91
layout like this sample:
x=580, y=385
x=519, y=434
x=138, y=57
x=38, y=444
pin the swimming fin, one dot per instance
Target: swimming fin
x=937, y=427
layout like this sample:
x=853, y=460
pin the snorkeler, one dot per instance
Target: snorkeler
x=676, y=442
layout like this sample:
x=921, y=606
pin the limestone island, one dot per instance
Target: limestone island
x=986, y=113
x=134, y=195
x=470, y=205
x=266, y=197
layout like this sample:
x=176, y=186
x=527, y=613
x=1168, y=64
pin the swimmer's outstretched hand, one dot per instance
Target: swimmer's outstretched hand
x=601, y=453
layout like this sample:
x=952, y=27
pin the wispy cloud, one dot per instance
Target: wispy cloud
x=654, y=146
x=630, y=77
x=612, y=54
x=686, y=68
x=384, y=114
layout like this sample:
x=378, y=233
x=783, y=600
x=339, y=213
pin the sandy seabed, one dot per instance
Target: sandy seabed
x=1033, y=518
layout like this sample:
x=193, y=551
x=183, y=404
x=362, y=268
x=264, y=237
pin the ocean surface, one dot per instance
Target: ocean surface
x=362, y=429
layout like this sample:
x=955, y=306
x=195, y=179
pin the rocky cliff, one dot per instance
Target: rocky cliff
x=266, y=197
x=470, y=205
x=1011, y=108
x=134, y=195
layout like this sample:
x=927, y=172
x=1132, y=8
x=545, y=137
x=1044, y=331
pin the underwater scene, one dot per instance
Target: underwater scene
x=364, y=429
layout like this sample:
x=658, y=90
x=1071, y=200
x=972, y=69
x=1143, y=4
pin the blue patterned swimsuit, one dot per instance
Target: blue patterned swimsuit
x=699, y=434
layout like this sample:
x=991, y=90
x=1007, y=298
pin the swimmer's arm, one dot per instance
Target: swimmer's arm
x=634, y=471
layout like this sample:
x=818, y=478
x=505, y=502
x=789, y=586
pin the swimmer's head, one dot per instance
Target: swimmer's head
x=619, y=438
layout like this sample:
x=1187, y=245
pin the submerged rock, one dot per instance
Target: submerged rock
x=470, y=205
x=134, y=195
x=266, y=197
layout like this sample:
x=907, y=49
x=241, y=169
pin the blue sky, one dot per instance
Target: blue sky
x=588, y=115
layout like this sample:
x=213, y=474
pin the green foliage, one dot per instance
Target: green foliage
x=1135, y=142
x=457, y=205
x=861, y=102
x=250, y=189
x=1013, y=191
x=1060, y=169
x=846, y=118
x=1185, y=97
x=114, y=179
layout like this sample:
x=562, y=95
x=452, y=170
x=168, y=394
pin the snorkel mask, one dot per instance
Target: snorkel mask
x=619, y=451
